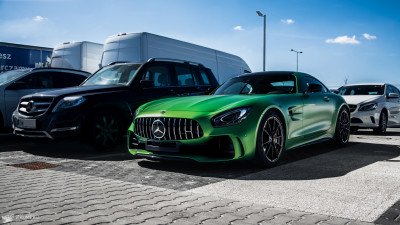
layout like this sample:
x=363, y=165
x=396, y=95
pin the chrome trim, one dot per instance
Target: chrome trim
x=33, y=135
x=64, y=129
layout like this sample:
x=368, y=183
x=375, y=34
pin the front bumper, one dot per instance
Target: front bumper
x=49, y=125
x=365, y=119
x=230, y=143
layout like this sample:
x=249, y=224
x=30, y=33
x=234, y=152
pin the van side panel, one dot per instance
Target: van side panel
x=230, y=66
x=91, y=56
x=130, y=48
x=163, y=47
x=67, y=56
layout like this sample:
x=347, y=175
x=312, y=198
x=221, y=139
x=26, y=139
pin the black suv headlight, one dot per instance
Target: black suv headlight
x=68, y=102
x=368, y=106
x=230, y=117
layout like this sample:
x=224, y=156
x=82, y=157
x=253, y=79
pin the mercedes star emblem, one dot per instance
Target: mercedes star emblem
x=158, y=129
x=30, y=106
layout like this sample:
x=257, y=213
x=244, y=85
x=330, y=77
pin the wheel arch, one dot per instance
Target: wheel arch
x=280, y=113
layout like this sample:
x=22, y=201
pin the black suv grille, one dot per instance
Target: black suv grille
x=352, y=108
x=34, y=106
x=165, y=128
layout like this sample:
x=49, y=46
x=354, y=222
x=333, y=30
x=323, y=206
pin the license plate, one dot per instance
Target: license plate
x=26, y=123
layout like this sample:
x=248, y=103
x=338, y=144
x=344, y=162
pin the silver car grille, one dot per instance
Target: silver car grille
x=34, y=106
x=165, y=128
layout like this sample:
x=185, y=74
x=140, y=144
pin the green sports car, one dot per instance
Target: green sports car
x=255, y=116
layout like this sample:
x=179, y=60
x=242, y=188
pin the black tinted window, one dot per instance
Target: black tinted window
x=158, y=74
x=362, y=90
x=40, y=80
x=306, y=81
x=204, y=77
x=62, y=80
x=268, y=84
x=186, y=76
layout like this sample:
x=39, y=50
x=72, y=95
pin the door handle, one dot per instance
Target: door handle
x=326, y=99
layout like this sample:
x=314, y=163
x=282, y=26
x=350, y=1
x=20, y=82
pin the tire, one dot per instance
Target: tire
x=105, y=130
x=342, y=131
x=271, y=138
x=383, y=120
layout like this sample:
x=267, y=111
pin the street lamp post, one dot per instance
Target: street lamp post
x=265, y=21
x=297, y=58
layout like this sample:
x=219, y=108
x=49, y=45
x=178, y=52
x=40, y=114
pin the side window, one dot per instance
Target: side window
x=62, y=80
x=186, y=76
x=158, y=74
x=309, y=80
x=204, y=77
x=40, y=80
x=396, y=90
x=303, y=84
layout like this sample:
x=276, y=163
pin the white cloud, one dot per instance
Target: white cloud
x=238, y=28
x=288, y=21
x=343, y=40
x=39, y=18
x=369, y=37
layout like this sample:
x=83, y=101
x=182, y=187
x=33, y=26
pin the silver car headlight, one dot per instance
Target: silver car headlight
x=68, y=102
x=368, y=106
x=230, y=117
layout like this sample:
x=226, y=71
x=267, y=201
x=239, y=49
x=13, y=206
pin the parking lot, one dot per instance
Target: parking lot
x=319, y=184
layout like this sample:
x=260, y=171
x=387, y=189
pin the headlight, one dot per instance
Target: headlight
x=368, y=107
x=230, y=117
x=68, y=102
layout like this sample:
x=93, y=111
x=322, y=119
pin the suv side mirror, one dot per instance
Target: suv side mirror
x=17, y=85
x=312, y=88
x=393, y=95
x=146, y=83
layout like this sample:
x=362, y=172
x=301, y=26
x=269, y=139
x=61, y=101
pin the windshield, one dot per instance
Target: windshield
x=362, y=90
x=116, y=74
x=12, y=75
x=258, y=84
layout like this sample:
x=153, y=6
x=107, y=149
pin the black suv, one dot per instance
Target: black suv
x=102, y=107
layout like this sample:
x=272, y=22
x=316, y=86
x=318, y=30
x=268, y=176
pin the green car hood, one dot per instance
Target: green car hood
x=208, y=103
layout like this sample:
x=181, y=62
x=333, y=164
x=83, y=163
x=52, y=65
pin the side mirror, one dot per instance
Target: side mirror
x=146, y=83
x=312, y=88
x=393, y=95
x=17, y=85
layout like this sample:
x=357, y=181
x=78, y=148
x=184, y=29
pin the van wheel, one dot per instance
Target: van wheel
x=383, y=120
x=342, y=132
x=106, y=130
x=270, y=140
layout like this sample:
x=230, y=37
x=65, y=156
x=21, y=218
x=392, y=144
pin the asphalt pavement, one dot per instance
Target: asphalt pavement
x=324, y=184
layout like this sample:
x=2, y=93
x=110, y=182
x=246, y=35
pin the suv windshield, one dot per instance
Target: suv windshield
x=362, y=90
x=259, y=84
x=116, y=74
x=12, y=75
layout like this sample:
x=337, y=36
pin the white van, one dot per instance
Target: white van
x=82, y=55
x=140, y=47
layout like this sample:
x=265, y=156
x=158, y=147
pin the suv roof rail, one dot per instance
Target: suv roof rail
x=175, y=60
x=116, y=62
x=59, y=68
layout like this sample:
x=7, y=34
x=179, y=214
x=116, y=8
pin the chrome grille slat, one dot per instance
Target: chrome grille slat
x=175, y=128
x=38, y=105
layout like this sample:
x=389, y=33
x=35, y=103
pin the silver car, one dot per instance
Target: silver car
x=375, y=106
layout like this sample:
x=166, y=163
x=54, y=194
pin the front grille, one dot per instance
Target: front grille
x=352, y=108
x=34, y=106
x=169, y=128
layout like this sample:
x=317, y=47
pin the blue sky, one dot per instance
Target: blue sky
x=358, y=39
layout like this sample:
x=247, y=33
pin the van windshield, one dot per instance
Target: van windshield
x=115, y=74
x=12, y=75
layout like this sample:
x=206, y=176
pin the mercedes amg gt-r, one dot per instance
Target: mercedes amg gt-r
x=254, y=116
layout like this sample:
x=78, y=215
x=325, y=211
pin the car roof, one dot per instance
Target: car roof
x=275, y=73
x=63, y=69
x=362, y=84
